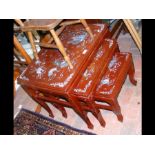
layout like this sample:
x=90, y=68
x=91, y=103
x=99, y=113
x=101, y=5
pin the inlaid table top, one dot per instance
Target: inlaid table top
x=112, y=76
x=51, y=72
x=95, y=70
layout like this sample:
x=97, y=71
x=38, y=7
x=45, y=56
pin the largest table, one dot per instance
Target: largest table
x=51, y=78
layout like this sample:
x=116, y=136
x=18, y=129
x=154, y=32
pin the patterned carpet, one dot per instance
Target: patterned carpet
x=31, y=123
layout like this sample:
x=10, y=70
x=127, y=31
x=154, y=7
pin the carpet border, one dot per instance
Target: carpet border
x=55, y=121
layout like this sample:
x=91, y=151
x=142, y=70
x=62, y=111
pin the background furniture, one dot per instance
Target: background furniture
x=50, y=25
x=133, y=33
x=19, y=52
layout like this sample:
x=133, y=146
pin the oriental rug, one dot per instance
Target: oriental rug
x=31, y=123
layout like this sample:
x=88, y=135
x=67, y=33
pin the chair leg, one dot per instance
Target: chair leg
x=58, y=32
x=33, y=45
x=21, y=50
x=131, y=74
x=61, y=47
x=83, y=21
x=133, y=32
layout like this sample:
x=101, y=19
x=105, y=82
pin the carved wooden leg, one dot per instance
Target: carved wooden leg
x=131, y=74
x=80, y=112
x=84, y=116
x=62, y=109
x=33, y=45
x=99, y=117
x=45, y=106
x=61, y=47
x=83, y=21
x=59, y=107
x=117, y=110
x=97, y=113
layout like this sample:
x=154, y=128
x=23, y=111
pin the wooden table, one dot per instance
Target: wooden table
x=83, y=92
x=51, y=79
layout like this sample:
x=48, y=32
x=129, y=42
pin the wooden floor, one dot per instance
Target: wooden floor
x=129, y=99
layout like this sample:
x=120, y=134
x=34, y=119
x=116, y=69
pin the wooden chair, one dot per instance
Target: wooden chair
x=18, y=61
x=50, y=25
x=133, y=33
x=19, y=50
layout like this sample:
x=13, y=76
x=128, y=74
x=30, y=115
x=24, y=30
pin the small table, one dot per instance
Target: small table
x=84, y=91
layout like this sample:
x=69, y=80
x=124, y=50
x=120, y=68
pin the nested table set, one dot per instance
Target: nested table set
x=98, y=72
